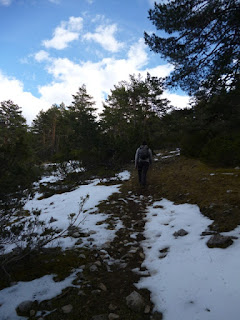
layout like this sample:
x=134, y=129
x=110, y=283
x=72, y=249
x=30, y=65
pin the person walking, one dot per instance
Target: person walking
x=143, y=159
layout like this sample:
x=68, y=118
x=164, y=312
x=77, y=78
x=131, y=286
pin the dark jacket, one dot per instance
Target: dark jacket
x=137, y=155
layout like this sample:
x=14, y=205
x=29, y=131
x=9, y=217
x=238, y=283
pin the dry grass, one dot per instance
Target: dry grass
x=215, y=190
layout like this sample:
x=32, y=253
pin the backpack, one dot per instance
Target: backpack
x=143, y=153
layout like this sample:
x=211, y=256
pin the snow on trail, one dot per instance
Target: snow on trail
x=189, y=281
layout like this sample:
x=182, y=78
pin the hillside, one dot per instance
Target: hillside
x=137, y=253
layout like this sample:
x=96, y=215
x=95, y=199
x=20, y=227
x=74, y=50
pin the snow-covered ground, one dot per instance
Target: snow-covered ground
x=40, y=289
x=188, y=280
x=59, y=207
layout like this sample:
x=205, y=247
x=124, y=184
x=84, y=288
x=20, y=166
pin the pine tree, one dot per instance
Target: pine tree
x=84, y=131
x=131, y=113
x=201, y=39
x=16, y=157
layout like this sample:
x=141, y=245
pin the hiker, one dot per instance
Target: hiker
x=143, y=159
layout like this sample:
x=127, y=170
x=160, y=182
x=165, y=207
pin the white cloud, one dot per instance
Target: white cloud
x=41, y=56
x=12, y=89
x=67, y=32
x=137, y=54
x=104, y=35
x=5, y=2
x=100, y=77
x=180, y=102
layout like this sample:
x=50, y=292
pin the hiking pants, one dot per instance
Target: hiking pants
x=142, y=172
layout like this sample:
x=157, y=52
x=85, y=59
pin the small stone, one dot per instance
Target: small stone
x=207, y=233
x=82, y=256
x=113, y=316
x=180, y=233
x=133, y=250
x=147, y=309
x=112, y=307
x=92, y=232
x=25, y=307
x=142, y=255
x=79, y=241
x=135, y=302
x=67, y=309
x=97, y=291
x=102, y=287
x=81, y=293
x=32, y=313
x=76, y=235
x=93, y=268
x=98, y=263
x=219, y=241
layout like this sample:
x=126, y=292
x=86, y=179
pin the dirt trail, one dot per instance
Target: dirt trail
x=109, y=273
x=108, y=277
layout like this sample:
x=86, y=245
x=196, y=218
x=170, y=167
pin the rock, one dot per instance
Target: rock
x=67, y=309
x=81, y=293
x=219, y=241
x=157, y=316
x=100, y=317
x=92, y=232
x=112, y=307
x=102, y=287
x=98, y=263
x=180, y=233
x=133, y=250
x=208, y=233
x=25, y=307
x=82, y=256
x=32, y=313
x=78, y=242
x=147, y=309
x=142, y=255
x=96, y=292
x=135, y=302
x=113, y=316
x=93, y=268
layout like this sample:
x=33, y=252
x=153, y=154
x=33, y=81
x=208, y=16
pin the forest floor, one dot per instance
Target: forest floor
x=108, y=274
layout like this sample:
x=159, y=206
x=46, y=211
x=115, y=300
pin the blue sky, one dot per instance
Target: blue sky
x=49, y=48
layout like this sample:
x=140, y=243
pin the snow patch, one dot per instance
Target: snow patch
x=188, y=280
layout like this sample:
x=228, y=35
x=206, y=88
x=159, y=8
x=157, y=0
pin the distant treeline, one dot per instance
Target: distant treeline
x=201, y=39
x=133, y=111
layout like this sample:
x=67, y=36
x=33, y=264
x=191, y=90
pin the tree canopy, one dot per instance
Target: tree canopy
x=132, y=112
x=201, y=38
